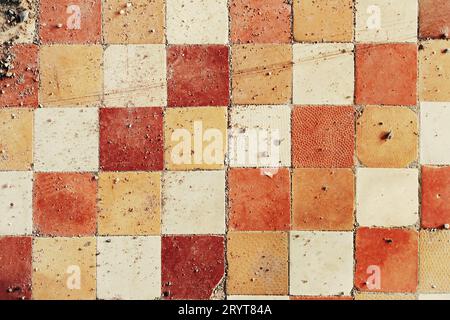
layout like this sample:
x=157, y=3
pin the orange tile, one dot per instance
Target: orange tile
x=262, y=74
x=386, y=74
x=259, y=201
x=257, y=263
x=21, y=89
x=435, y=197
x=323, y=137
x=70, y=21
x=65, y=204
x=392, y=252
x=323, y=199
x=387, y=137
x=434, y=19
x=260, y=21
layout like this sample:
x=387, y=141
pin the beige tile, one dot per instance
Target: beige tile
x=66, y=139
x=197, y=21
x=135, y=76
x=129, y=203
x=71, y=75
x=16, y=203
x=16, y=139
x=141, y=23
x=386, y=20
x=260, y=136
x=434, y=255
x=323, y=74
x=434, y=71
x=64, y=268
x=387, y=197
x=195, y=138
x=435, y=133
x=193, y=202
x=321, y=263
x=129, y=268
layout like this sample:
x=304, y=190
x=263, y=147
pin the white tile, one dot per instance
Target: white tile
x=435, y=133
x=321, y=263
x=129, y=268
x=197, y=21
x=260, y=136
x=323, y=74
x=387, y=197
x=135, y=76
x=386, y=20
x=193, y=202
x=16, y=203
x=66, y=139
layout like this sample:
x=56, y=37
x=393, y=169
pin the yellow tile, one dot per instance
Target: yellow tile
x=262, y=74
x=195, y=138
x=129, y=203
x=434, y=257
x=71, y=75
x=16, y=139
x=141, y=23
x=434, y=71
x=257, y=263
x=64, y=268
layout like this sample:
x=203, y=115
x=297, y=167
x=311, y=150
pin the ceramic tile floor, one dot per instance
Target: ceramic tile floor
x=225, y=149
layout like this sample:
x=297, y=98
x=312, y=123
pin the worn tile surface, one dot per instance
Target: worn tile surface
x=386, y=21
x=141, y=23
x=387, y=137
x=323, y=20
x=195, y=138
x=321, y=263
x=323, y=74
x=224, y=149
x=387, y=197
x=16, y=139
x=386, y=260
x=323, y=199
x=323, y=137
x=64, y=268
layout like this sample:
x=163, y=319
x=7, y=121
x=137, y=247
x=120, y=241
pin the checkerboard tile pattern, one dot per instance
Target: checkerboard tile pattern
x=225, y=149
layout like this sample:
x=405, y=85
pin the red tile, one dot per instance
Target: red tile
x=434, y=19
x=323, y=137
x=65, y=204
x=259, y=201
x=435, y=197
x=394, y=252
x=21, y=90
x=15, y=268
x=192, y=266
x=198, y=76
x=260, y=21
x=386, y=74
x=59, y=21
x=131, y=139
